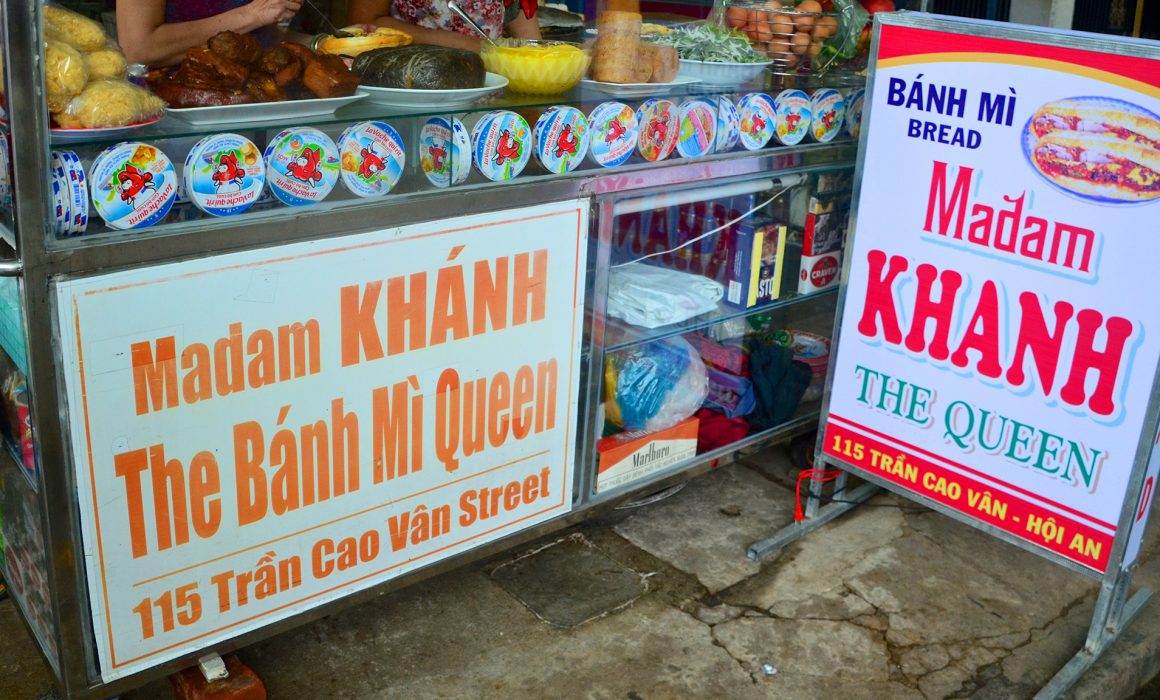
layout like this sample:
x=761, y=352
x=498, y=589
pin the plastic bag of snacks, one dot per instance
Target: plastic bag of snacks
x=65, y=73
x=85, y=76
x=654, y=386
x=107, y=103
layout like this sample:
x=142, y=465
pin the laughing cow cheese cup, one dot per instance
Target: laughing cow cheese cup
x=728, y=125
x=828, y=109
x=659, y=128
x=371, y=158
x=224, y=174
x=613, y=134
x=561, y=137
x=757, y=120
x=698, y=127
x=301, y=166
x=445, y=151
x=502, y=145
x=794, y=116
x=133, y=185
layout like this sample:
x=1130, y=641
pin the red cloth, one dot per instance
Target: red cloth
x=717, y=430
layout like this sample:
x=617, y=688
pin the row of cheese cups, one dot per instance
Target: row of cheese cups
x=135, y=185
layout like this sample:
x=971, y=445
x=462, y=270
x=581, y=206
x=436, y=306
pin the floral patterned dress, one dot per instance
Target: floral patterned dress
x=491, y=15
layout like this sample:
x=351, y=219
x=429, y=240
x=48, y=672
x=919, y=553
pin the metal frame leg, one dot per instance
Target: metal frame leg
x=1111, y=617
x=816, y=514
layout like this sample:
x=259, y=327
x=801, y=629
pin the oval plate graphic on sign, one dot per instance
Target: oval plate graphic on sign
x=1098, y=149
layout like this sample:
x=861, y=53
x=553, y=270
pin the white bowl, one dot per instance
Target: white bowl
x=722, y=73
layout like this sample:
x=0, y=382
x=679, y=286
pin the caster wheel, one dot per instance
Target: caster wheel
x=801, y=450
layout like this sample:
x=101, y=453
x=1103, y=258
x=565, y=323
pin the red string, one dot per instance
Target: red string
x=820, y=475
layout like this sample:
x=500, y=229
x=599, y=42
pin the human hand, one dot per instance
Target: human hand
x=266, y=12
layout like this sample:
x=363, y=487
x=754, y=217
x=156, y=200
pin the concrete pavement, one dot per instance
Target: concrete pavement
x=890, y=601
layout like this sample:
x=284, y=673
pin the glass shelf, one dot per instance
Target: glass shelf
x=620, y=335
x=172, y=127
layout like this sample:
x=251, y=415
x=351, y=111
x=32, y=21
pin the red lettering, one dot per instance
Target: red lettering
x=1105, y=362
x=880, y=297
x=983, y=334
x=1033, y=335
x=926, y=309
x=955, y=207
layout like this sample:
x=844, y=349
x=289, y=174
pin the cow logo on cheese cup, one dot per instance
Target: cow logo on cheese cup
x=614, y=134
x=301, y=166
x=371, y=158
x=445, y=151
x=224, y=174
x=757, y=120
x=659, y=126
x=132, y=185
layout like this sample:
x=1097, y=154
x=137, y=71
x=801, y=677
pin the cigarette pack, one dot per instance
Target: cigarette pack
x=756, y=258
x=819, y=272
x=631, y=456
x=826, y=221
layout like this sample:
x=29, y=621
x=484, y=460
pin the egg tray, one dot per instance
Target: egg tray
x=791, y=38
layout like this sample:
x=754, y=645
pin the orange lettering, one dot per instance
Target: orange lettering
x=154, y=380
x=530, y=289
x=491, y=296
x=403, y=311
x=359, y=330
x=450, y=312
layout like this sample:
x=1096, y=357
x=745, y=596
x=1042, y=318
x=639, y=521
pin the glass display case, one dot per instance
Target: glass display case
x=689, y=182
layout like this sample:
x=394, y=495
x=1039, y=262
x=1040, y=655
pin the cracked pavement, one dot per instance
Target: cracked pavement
x=889, y=601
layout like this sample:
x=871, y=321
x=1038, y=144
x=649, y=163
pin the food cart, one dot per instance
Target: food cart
x=231, y=422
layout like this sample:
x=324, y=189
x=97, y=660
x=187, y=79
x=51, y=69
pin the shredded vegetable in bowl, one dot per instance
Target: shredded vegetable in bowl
x=710, y=43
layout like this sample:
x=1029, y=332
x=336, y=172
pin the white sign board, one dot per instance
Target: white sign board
x=1000, y=334
x=258, y=433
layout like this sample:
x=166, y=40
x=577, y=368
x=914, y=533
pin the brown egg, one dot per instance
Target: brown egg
x=772, y=5
x=825, y=27
x=805, y=22
x=778, y=48
x=800, y=42
x=781, y=25
x=790, y=59
x=814, y=49
x=763, y=33
x=736, y=17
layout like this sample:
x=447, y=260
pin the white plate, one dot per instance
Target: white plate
x=83, y=134
x=721, y=73
x=427, y=99
x=261, y=111
x=637, y=89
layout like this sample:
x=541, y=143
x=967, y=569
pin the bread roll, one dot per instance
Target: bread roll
x=618, y=25
x=616, y=60
x=623, y=5
x=664, y=62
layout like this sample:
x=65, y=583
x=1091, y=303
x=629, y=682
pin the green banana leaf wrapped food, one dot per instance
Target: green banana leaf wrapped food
x=420, y=67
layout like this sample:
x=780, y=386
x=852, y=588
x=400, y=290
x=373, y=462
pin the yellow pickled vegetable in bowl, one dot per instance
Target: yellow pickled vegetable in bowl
x=537, y=67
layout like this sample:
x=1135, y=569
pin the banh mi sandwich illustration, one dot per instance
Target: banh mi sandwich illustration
x=1096, y=117
x=1100, y=165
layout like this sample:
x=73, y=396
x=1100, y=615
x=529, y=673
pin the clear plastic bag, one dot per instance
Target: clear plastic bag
x=74, y=29
x=109, y=103
x=65, y=73
x=654, y=386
